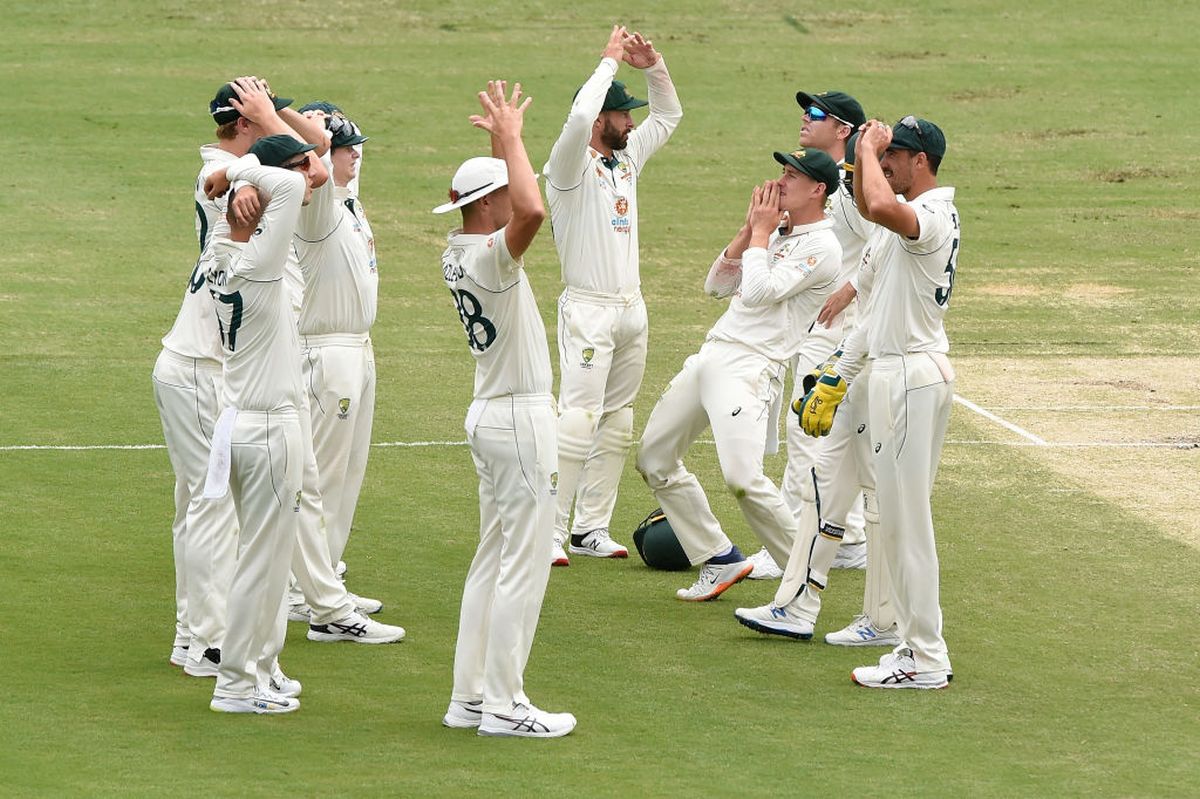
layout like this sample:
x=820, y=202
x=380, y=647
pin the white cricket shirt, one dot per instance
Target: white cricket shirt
x=257, y=329
x=914, y=280
x=499, y=313
x=593, y=201
x=337, y=257
x=782, y=289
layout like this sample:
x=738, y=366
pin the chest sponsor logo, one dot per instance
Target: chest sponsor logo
x=343, y=407
x=782, y=252
x=620, y=218
x=622, y=206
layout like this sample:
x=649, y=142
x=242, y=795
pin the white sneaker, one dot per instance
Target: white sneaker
x=851, y=556
x=299, y=612
x=463, y=715
x=597, y=544
x=765, y=567
x=558, y=555
x=207, y=666
x=863, y=632
x=526, y=721
x=714, y=579
x=774, y=620
x=365, y=604
x=260, y=702
x=179, y=655
x=357, y=628
x=282, y=684
x=340, y=570
x=899, y=670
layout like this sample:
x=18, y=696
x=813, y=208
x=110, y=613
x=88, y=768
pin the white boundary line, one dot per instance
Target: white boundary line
x=966, y=403
x=1094, y=408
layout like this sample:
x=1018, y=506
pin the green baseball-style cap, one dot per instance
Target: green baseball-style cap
x=321, y=105
x=344, y=132
x=816, y=164
x=918, y=135
x=276, y=150
x=223, y=111
x=618, y=99
x=851, y=143
x=838, y=104
x=658, y=545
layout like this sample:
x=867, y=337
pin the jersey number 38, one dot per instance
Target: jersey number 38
x=481, y=333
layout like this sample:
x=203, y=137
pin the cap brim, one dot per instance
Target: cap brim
x=629, y=105
x=786, y=160
x=803, y=99
x=353, y=141
x=281, y=102
x=470, y=198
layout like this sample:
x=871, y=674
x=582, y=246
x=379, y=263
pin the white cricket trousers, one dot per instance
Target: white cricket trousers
x=187, y=392
x=601, y=360
x=266, y=461
x=339, y=377
x=733, y=389
x=909, y=399
x=514, y=447
x=843, y=472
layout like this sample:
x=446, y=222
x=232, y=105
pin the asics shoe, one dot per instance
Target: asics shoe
x=714, y=579
x=765, y=567
x=299, y=612
x=261, y=702
x=357, y=628
x=463, y=715
x=558, y=556
x=207, y=666
x=526, y=721
x=863, y=632
x=179, y=655
x=597, y=544
x=851, y=556
x=899, y=670
x=365, y=604
x=774, y=620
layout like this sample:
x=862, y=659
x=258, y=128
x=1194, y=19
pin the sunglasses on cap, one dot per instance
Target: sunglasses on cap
x=817, y=115
x=912, y=124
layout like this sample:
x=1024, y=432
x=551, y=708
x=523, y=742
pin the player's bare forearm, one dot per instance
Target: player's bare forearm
x=310, y=130
x=504, y=120
x=879, y=203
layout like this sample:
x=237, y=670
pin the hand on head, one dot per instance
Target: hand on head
x=253, y=100
x=875, y=136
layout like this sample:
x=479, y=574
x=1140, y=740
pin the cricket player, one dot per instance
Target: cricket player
x=591, y=186
x=336, y=251
x=911, y=383
x=780, y=267
x=257, y=450
x=187, y=388
x=510, y=427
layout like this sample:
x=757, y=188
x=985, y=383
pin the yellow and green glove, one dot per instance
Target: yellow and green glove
x=817, y=407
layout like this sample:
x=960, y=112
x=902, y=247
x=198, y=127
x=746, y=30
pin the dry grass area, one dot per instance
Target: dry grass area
x=1104, y=421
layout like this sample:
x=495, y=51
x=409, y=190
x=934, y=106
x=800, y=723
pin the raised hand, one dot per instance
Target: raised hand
x=253, y=100
x=615, y=49
x=502, y=117
x=640, y=52
x=764, y=208
x=875, y=137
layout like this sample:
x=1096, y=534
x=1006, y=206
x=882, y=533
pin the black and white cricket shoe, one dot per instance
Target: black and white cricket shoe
x=899, y=670
x=357, y=628
x=526, y=721
x=463, y=715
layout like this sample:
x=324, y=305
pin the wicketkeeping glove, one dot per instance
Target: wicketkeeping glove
x=812, y=377
x=817, y=407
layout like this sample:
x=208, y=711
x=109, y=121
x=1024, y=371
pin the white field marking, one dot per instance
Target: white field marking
x=1081, y=444
x=1095, y=408
x=966, y=403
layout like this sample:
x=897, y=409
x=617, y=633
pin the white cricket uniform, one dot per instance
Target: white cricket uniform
x=511, y=428
x=797, y=484
x=910, y=391
x=735, y=384
x=602, y=325
x=261, y=398
x=336, y=250
x=187, y=389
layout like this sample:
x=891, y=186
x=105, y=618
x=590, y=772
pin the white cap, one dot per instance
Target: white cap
x=476, y=178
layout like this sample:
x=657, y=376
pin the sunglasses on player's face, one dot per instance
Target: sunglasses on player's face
x=817, y=115
x=302, y=164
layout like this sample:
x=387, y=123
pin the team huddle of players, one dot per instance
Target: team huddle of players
x=841, y=271
x=266, y=389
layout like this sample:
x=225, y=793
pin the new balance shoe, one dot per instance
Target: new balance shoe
x=899, y=670
x=179, y=655
x=863, y=632
x=463, y=715
x=207, y=666
x=774, y=620
x=282, y=684
x=558, y=555
x=851, y=556
x=357, y=628
x=765, y=567
x=299, y=612
x=714, y=579
x=261, y=702
x=597, y=544
x=526, y=721
x=365, y=604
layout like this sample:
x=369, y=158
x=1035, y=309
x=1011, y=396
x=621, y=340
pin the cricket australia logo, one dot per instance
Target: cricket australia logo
x=296, y=507
x=343, y=407
x=554, y=483
x=588, y=353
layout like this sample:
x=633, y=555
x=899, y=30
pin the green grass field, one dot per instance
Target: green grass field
x=1069, y=570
